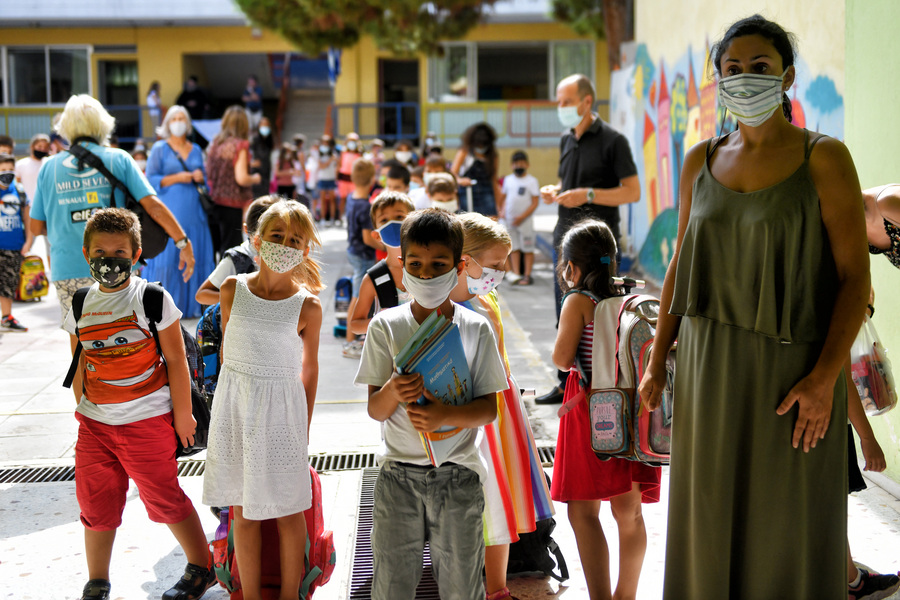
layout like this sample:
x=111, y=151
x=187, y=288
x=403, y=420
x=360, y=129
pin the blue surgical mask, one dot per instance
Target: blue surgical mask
x=390, y=233
x=568, y=116
x=264, y=131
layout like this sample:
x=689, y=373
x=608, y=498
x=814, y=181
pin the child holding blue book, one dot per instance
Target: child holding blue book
x=516, y=493
x=415, y=501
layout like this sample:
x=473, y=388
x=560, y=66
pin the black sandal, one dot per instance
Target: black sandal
x=96, y=589
x=193, y=584
x=526, y=280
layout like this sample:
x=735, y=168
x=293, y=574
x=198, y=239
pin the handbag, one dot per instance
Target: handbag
x=870, y=369
x=206, y=200
x=153, y=237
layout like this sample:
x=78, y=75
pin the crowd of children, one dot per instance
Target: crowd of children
x=413, y=252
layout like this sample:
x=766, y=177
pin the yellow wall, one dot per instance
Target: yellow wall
x=359, y=65
x=159, y=49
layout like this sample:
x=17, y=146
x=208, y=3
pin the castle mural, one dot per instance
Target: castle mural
x=664, y=108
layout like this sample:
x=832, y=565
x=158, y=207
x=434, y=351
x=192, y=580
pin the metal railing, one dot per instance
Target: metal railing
x=384, y=120
x=133, y=122
x=521, y=123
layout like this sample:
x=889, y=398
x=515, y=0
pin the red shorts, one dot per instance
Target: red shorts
x=107, y=455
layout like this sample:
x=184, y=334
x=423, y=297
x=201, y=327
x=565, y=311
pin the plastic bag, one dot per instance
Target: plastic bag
x=871, y=371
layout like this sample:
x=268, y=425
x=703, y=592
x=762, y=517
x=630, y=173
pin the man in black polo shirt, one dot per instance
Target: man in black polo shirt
x=596, y=175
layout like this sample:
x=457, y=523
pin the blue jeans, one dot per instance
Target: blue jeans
x=360, y=266
x=443, y=506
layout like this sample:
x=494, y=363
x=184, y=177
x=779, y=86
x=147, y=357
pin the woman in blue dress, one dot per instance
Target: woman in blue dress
x=175, y=168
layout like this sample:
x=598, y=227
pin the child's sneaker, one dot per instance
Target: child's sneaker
x=352, y=349
x=874, y=586
x=96, y=589
x=193, y=584
x=9, y=323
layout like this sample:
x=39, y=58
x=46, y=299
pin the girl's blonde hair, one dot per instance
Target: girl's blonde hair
x=481, y=233
x=234, y=124
x=293, y=214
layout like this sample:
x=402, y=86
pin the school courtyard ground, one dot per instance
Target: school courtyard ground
x=41, y=541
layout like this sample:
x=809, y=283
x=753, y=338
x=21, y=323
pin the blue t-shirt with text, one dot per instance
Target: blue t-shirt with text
x=12, y=227
x=66, y=197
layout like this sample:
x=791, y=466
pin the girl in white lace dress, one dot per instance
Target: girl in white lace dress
x=257, y=457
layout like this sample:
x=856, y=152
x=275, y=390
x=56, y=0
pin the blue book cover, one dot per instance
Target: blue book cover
x=442, y=362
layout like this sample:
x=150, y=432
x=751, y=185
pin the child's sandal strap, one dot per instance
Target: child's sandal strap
x=499, y=595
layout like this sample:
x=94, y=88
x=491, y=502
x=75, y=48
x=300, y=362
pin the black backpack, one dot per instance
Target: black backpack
x=153, y=301
x=535, y=552
x=384, y=285
x=209, y=327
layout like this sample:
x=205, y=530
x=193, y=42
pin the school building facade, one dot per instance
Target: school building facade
x=504, y=72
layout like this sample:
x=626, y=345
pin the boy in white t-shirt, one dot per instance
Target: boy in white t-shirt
x=519, y=196
x=134, y=404
x=416, y=502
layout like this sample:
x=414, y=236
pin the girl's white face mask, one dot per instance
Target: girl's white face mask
x=278, y=257
x=751, y=98
x=430, y=293
x=484, y=285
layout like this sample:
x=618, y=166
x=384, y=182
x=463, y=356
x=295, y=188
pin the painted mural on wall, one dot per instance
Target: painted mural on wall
x=664, y=108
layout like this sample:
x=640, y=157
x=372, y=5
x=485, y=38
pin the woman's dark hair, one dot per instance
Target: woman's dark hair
x=784, y=42
x=482, y=134
x=591, y=247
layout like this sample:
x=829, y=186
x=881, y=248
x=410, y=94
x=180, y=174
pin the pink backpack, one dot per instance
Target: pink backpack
x=621, y=426
x=319, y=558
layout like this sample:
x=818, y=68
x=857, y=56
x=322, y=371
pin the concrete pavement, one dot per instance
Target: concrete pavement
x=41, y=545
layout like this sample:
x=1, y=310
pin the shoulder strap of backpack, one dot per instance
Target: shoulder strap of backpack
x=385, y=289
x=153, y=301
x=605, y=347
x=77, y=307
x=86, y=156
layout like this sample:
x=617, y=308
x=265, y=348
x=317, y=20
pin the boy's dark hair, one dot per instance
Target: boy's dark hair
x=5, y=140
x=417, y=172
x=519, y=155
x=390, y=164
x=7, y=158
x=591, y=247
x=400, y=172
x=256, y=210
x=436, y=160
x=386, y=199
x=433, y=225
x=114, y=220
x=442, y=183
x=362, y=172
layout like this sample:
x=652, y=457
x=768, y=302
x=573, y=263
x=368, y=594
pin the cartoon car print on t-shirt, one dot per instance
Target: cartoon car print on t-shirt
x=122, y=362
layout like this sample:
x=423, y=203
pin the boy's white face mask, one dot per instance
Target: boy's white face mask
x=430, y=293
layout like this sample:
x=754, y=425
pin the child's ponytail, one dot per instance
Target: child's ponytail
x=309, y=274
x=590, y=246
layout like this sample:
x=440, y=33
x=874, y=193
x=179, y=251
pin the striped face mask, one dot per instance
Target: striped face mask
x=751, y=98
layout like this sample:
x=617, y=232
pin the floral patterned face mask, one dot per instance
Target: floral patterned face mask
x=278, y=257
x=482, y=286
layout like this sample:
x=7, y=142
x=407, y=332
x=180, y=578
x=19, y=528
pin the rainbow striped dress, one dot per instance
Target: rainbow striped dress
x=516, y=495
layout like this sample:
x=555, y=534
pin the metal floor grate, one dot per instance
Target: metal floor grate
x=361, y=578
x=191, y=468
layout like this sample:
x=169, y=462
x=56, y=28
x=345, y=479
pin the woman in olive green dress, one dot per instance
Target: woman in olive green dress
x=765, y=293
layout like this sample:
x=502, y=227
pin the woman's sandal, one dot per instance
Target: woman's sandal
x=96, y=589
x=526, y=280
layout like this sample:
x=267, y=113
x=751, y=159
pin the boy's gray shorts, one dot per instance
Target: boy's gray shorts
x=444, y=506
